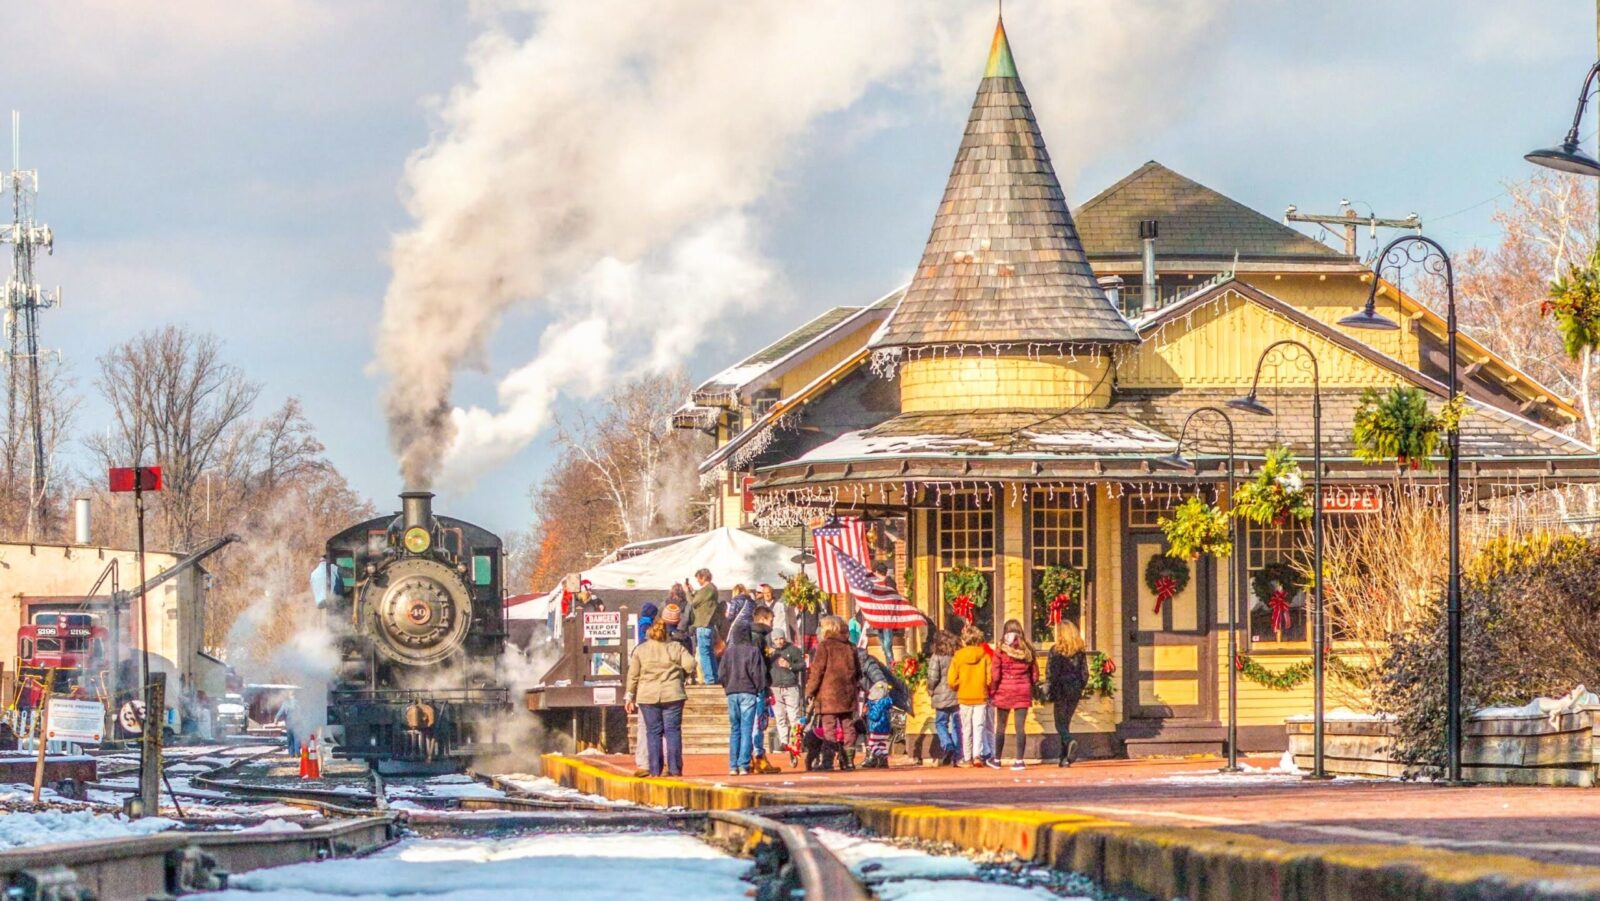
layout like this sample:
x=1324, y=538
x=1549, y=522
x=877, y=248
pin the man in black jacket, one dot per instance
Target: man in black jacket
x=743, y=675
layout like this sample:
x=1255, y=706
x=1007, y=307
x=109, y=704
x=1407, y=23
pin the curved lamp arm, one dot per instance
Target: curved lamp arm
x=1434, y=258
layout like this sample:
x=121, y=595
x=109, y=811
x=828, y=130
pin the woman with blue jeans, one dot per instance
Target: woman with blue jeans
x=655, y=690
x=947, y=708
x=743, y=675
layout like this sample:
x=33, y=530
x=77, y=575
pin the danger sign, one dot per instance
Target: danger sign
x=602, y=626
x=79, y=721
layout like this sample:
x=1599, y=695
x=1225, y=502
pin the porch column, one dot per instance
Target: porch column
x=1014, y=585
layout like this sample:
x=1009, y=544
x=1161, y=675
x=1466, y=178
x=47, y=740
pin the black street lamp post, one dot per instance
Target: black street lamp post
x=1424, y=251
x=1176, y=460
x=1249, y=403
x=1568, y=156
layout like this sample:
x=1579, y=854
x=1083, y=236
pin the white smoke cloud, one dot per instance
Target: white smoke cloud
x=609, y=167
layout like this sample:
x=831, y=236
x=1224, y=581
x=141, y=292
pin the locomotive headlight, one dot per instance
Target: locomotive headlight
x=417, y=539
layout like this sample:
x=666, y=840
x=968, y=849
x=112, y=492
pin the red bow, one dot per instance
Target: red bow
x=1166, y=587
x=1279, y=603
x=1058, y=608
x=1108, y=667
x=962, y=606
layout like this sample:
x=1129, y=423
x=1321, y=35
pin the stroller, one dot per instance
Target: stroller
x=794, y=744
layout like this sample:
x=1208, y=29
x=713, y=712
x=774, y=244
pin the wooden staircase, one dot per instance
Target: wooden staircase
x=705, y=721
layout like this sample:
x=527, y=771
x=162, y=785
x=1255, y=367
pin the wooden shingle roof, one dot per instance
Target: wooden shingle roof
x=1003, y=264
x=1194, y=223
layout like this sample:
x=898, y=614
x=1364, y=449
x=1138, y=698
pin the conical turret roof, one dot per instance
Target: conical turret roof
x=1003, y=265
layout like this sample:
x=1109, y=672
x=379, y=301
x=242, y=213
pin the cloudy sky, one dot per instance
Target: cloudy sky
x=561, y=193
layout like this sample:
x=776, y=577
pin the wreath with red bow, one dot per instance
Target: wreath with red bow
x=1275, y=586
x=965, y=590
x=1057, y=597
x=1165, y=577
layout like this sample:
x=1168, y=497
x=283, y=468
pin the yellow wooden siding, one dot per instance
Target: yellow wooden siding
x=824, y=357
x=1218, y=344
x=1263, y=706
x=989, y=382
x=1106, y=635
x=1338, y=296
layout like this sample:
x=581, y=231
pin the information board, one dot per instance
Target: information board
x=79, y=721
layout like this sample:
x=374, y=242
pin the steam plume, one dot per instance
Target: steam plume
x=605, y=160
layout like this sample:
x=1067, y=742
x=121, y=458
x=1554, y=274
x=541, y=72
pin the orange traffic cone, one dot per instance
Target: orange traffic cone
x=314, y=762
x=305, y=763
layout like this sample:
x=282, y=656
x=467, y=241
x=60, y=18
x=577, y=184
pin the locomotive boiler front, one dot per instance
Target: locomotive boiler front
x=417, y=604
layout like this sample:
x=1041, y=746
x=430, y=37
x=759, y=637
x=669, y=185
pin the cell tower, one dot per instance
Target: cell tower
x=23, y=301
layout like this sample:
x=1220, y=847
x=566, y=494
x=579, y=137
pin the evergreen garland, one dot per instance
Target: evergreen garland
x=1295, y=674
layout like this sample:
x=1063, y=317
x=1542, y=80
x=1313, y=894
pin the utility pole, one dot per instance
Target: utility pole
x=1350, y=220
x=23, y=301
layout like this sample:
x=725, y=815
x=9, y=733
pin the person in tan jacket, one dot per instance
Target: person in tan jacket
x=969, y=677
x=657, y=671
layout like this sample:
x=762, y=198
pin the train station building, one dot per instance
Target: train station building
x=1005, y=414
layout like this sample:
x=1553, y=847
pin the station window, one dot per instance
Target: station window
x=1266, y=545
x=1145, y=511
x=1058, y=536
x=966, y=538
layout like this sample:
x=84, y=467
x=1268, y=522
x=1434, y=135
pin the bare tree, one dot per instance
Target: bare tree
x=175, y=403
x=636, y=455
x=20, y=511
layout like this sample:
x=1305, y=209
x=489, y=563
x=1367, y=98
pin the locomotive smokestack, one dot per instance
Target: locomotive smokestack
x=417, y=508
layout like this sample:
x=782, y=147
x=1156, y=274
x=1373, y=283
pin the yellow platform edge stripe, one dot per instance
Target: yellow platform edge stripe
x=1165, y=861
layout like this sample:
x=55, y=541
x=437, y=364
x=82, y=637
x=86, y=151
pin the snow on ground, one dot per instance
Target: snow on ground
x=550, y=789
x=960, y=890
x=638, y=866
x=454, y=785
x=876, y=861
x=18, y=830
x=896, y=873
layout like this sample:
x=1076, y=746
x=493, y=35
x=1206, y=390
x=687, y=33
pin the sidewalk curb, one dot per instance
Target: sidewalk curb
x=1160, y=861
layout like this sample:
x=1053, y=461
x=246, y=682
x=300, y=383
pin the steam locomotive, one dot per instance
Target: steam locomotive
x=419, y=615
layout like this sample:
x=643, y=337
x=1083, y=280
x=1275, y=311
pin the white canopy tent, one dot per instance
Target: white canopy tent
x=732, y=555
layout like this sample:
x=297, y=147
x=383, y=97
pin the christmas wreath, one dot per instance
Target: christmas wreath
x=1058, y=596
x=1277, y=494
x=965, y=590
x=1165, y=577
x=1397, y=426
x=913, y=670
x=1275, y=586
x=803, y=594
x=1574, y=300
x=1196, y=528
x=1101, y=670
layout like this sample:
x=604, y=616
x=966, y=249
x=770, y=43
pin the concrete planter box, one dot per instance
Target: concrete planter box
x=1513, y=749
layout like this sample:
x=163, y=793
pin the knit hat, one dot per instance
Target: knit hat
x=880, y=690
x=672, y=614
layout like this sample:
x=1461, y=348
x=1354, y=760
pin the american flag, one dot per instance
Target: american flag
x=847, y=535
x=883, y=607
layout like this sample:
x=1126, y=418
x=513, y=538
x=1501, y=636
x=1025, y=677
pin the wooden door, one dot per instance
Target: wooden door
x=1168, y=672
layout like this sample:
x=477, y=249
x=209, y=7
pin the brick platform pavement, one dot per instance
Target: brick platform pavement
x=1558, y=825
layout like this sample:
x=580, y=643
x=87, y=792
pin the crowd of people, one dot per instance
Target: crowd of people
x=809, y=675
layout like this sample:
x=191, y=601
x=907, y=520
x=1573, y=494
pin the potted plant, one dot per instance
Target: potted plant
x=1574, y=301
x=1057, y=596
x=801, y=593
x=1397, y=425
x=1196, y=528
x=965, y=590
x=1277, y=494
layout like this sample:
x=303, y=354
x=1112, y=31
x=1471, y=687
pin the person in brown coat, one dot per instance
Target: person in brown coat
x=831, y=687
